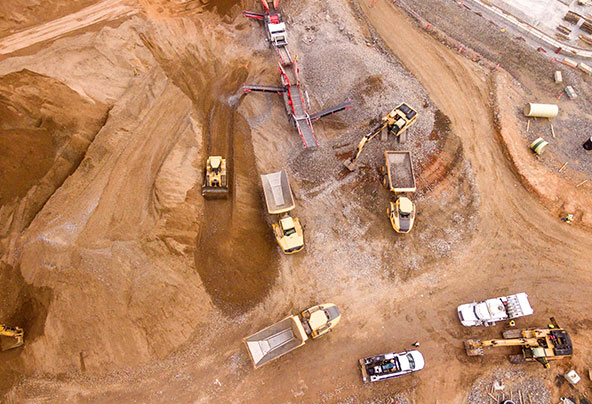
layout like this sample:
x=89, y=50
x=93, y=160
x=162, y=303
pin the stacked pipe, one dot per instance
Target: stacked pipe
x=587, y=26
x=572, y=17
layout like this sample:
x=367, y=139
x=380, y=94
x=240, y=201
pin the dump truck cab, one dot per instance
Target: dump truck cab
x=280, y=200
x=289, y=235
x=319, y=320
x=215, y=183
x=402, y=214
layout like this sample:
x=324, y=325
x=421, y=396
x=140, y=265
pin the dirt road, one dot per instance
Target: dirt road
x=102, y=11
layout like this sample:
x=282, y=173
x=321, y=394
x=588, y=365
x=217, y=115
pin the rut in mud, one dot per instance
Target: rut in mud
x=236, y=255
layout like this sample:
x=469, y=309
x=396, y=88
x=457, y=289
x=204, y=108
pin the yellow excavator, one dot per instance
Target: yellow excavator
x=396, y=122
x=215, y=185
x=15, y=335
x=538, y=344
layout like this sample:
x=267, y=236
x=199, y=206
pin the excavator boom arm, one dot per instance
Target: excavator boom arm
x=350, y=164
x=510, y=342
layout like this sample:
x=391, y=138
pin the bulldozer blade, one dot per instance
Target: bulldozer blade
x=214, y=192
x=7, y=343
x=472, y=347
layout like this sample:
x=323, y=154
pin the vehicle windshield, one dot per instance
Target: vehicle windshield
x=289, y=232
x=411, y=361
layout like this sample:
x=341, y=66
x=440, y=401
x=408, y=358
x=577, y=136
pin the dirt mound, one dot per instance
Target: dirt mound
x=25, y=157
x=16, y=16
x=42, y=141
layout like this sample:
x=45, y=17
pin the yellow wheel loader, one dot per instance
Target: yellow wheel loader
x=279, y=200
x=396, y=122
x=537, y=344
x=215, y=185
x=400, y=180
x=11, y=337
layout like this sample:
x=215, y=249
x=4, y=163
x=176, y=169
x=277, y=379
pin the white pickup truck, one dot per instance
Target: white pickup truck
x=490, y=311
x=387, y=366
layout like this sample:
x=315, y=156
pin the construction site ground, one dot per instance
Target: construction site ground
x=133, y=288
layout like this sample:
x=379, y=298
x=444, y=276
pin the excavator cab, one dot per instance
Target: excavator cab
x=11, y=337
x=402, y=214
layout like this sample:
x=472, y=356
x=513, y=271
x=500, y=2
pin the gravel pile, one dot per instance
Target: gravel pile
x=516, y=383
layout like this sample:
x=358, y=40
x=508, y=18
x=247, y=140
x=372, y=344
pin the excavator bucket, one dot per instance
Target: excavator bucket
x=10, y=337
x=350, y=165
x=7, y=343
x=473, y=347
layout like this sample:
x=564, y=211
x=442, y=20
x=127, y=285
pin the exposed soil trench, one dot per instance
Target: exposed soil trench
x=236, y=255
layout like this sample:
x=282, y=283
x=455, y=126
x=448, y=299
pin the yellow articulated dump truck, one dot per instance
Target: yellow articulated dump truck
x=280, y=200
x=400, y=180
x=290, y=333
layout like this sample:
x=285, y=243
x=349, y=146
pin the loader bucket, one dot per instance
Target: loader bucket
x=214, y=192
x=473, y=347
x=7, y=343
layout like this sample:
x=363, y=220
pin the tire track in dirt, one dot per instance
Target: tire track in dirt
x=103, y=11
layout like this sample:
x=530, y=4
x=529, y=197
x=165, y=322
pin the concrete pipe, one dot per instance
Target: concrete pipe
x=539, y=145
x=588, y=144
x=541, y=110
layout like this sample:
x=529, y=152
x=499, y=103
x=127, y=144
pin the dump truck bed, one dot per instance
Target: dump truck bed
x=277, y=191
x=400, y=171
x=275, y=340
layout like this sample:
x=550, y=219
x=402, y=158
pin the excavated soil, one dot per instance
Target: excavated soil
x=26, y=156
x=235, y=253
